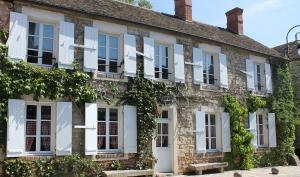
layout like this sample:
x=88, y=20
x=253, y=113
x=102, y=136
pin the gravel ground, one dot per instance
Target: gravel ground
x=289, y=171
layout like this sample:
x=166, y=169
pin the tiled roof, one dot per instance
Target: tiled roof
x=292, y=50
x=121, y=11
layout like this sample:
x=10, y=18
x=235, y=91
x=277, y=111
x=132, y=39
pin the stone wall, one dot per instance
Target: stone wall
x=210, y=97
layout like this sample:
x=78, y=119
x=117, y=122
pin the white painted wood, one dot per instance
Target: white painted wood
x=223, y=71
x=200, y=132
x=253, y=128
x=130, y=129
x=250, y=75
x=130, y=55
x=179, y=63
x=272, y=130
x=91, y=118
x=198, y=66
x=64, y=129
x=226, y=138
x=148, y=58
x=91, y=52
x=268, y=72
x=66, y=45
x=17, y=41
x=16, y=128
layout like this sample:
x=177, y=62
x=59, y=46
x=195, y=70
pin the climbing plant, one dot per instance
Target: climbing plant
x=147, y=96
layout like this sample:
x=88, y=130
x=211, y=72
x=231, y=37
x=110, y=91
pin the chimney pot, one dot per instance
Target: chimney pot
x=183, y=9
x=235, y=21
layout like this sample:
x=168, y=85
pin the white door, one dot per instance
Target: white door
x=163, y=146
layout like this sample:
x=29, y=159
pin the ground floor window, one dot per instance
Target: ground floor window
x=211, y=133
x=38, y=128
x=162, y=139
x=260, y=122
x=108, y=129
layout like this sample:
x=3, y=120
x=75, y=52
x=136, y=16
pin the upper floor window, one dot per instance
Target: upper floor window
x=161, y=61
x=108, y=53
x=108, y=129
x=38, y=128
x=208, y=69
x=211, y=131
x=40, y=43
x=258, y=79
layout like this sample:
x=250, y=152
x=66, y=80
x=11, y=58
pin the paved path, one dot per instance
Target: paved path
x=289, y=171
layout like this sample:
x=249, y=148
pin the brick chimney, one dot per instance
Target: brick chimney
x=183, y=9
x=235, y=22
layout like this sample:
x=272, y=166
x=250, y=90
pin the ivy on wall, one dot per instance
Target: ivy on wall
x=147, y=96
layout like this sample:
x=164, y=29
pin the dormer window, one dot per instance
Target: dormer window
x=40, y=43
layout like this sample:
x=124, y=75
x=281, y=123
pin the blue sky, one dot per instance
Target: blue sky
x=266, y=21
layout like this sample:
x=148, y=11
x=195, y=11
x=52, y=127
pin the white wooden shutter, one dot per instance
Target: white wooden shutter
x=250, y=75
x=198, y=66
x=149, y=59
x=226, y=140
x=64, y=129
x=272, y=130
x=130, y=55
x=179, y=63
x=66, y=45
x=16, y=128
x=269, y=86
x=200, y=132
x=130, y=129
x=91, y=50
x=17, y=41
x=91, y=117
x=223, y=71
x=253, y=129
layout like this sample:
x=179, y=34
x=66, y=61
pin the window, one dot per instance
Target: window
x=161, y=61
x=260, y=130
x=259, y=76
x=208, y=69
x=108, y=53
x=162, y=139
x=107, y=129
x=211, y=134
x=40, y=43
x=38, y=128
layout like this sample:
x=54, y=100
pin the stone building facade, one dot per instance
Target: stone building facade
x=234, y=63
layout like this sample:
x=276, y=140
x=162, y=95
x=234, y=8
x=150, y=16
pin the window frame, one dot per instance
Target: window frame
x=263, y=133
x=41, y=37
x=160, y=59
x=107, y=56
x=262, y=74
x=107, y=133
x=38, y=129
x=163, y=120
x=208, y=129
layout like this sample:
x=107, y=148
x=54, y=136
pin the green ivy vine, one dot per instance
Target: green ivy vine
x=147, y=96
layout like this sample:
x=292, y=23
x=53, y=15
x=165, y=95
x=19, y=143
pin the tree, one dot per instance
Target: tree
x=141, y=3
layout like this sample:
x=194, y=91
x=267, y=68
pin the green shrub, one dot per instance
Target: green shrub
x=17, y=168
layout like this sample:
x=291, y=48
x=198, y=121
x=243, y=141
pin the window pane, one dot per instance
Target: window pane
x=212, y=119
x=31, y=112
x=102, y=40
x=213, y=143
x=113, y=128
x=156, y=53
x=113, y=115
x=101, y=128
x=158, y=141
x=261, y=140
x=165, y=73
x=45, y=128
x=113, y=142
x=101, y=142
x=159, y=128
x=48, y=44
x=101, y=114
x=102, y=52
x=165, y=115
x=113, y=54
x=206, y=132
x=45, y=143
x=33, y=42
x=206, y=119
x=113, y=42
x=165, y=129
x=113, y=67
x=46, y=112
x=261, y=121
x=207, y=143
x=156, y=72
x=47, y=58
x=165, y=141
x=101, y=65
x=48, y=31
x=32, y=56
x=213, y=131
x=30, y=144
x=261, y=129
x=31, y=128
x=34, y=28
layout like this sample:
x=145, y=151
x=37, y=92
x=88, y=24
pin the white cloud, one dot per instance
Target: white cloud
x=263, y=6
